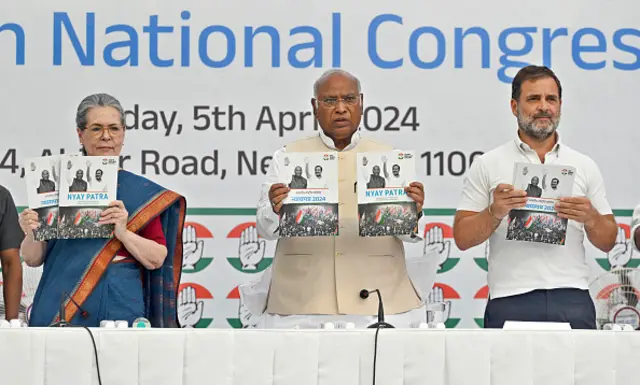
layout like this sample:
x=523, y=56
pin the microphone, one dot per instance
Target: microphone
x=364, y=294
x=63, y=322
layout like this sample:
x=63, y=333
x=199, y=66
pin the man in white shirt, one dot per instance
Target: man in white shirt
x=319, y=279
x=552, y=192
x=97, y=183
x=534, y=281
x=395, y=179
x=315, y=180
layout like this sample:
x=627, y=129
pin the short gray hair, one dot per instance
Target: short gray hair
x=97, y=100
x=331, y=72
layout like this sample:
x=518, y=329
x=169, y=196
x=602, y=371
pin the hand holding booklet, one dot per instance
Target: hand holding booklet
x=384, y=209
x=311, y=208
x=538, y=221
x=42, y=177
x=69, y=204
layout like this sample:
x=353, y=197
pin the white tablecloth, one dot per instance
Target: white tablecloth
x=318, y=357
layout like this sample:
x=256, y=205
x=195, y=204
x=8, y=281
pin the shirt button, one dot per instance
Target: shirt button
x=338, y=254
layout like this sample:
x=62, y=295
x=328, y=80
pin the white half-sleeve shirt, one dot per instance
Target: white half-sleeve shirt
x=314, y=182
x=393, y=181
x=96, y=185
x=520, y=267
x=550, y=193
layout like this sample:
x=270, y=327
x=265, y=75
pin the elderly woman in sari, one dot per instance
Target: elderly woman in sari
x=136, y=272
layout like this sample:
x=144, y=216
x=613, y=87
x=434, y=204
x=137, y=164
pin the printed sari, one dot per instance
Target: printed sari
x=84, y=268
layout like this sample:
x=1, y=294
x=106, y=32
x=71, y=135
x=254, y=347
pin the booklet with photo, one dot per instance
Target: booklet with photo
x=87, y=185
x=311, y=208
x=42, y=178
x=538, y=221
x=384, y=209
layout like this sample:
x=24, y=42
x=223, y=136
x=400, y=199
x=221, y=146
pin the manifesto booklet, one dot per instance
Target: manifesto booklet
x=42, y=177
x=311, y=208
x=87, y=185
x=538, y=221
x=384, y=209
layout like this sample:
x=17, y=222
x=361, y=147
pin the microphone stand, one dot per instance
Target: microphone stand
x=381, y=324
x=63, y=322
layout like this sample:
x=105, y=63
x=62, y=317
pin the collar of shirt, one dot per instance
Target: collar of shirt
x=523, y=147
x=355, y=138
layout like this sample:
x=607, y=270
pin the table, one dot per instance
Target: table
x=48, y=356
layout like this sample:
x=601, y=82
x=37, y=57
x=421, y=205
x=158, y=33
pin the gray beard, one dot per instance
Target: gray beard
x=530, y=128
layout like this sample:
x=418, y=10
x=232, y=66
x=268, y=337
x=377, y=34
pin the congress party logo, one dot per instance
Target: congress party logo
x=483, y=262
x=437, y=240
x=622, y=253
x=245, y=318
x=440, y=300
x=251, y=249
x=328, y=157
x=193, y=236
x=482, y=294
x=191, y=305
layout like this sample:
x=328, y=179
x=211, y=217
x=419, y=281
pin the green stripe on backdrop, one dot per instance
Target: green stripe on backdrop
x=251, y=211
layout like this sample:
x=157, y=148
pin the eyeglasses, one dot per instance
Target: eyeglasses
x=114, y=130
x=332, y=102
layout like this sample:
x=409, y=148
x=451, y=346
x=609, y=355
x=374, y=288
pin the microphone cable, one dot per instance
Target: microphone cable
x=95, y=351
x=364, y=294
x=95, y=348
x=375, y=354
x=83, y=314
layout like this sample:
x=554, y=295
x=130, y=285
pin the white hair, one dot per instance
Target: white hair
x=332, y=72
x=97, y=100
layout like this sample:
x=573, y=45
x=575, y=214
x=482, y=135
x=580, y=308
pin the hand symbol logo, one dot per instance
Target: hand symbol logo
x=434, y=242
x=192, y=248
x=622, y=251
x=189, y=308
x=251, y=250
x=438, y=305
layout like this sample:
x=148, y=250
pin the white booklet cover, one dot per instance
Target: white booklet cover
x=42, y=178
x=538, y=221
x=384, y=209
x=87, y=185
x=311, y=208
